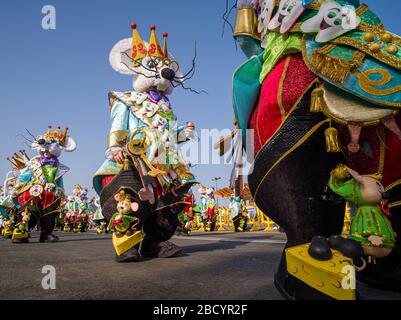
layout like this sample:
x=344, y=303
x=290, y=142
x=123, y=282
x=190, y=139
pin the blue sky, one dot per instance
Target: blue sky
x=62, y=76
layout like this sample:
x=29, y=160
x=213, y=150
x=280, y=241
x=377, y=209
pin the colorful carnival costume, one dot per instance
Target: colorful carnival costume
x=143, y=132
x=39, y=185
x=321, y=76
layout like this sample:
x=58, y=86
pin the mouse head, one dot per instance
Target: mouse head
x=51, y=144
x=372, y=190
x=152, y=68
x=125, y=202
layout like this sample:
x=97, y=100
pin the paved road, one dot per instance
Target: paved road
x=214, y=266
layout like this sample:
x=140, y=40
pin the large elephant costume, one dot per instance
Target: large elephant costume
x=296, y=90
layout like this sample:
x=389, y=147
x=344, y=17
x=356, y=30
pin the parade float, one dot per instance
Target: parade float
x=143, y=158
x=320, y=87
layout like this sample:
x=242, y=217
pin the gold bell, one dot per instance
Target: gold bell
x=333, y=144
x=392, y=49
x=317, y=100
x=386, y=37
x=369, y=37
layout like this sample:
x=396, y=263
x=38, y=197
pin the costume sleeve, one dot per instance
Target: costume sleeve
x=119, y=131
x=246, y=28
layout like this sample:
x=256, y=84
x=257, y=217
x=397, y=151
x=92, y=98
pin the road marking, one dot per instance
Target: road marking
x=232, y=240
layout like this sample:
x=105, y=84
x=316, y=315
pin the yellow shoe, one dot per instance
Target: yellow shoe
x=334, y=278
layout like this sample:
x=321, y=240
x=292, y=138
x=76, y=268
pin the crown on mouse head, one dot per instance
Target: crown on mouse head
x=140, y=50
x=56, y=135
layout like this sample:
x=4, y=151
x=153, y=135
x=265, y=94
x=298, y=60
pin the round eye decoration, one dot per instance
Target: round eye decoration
x=379, y=186
x=332, y=14
x=151, y=64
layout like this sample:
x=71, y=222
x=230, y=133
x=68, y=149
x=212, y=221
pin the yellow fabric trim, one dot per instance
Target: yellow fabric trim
x=381, y=134
x=368, y=85
x=280, y=89
x=288, y=152
x=118, y=138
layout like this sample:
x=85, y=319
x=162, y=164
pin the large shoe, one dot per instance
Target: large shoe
x=165, y=249
x=131, y=255
x=319, y=249
x=49, y=238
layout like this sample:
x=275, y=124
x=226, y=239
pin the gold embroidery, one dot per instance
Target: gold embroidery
x=381, y=134
x=395, y=204
x=368, y=85
x=362, y=9
x=381, y=56
x=334, y=68
x=280, y=88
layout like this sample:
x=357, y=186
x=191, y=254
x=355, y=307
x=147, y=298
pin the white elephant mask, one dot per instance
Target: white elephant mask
x=332, y=21
x=288, y=13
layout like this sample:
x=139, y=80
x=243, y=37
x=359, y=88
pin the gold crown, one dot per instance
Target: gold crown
x=18, y=161
x=140, y=51
x=61, y=137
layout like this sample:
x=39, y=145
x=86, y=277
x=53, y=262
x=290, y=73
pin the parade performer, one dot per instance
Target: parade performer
x=211, y=210
x=238, y=213
x=39, y=186
x=188, y=215
x=318, y=71
x=98, y=218
x=142, y=149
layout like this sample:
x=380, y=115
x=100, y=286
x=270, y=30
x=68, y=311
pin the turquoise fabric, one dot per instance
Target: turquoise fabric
x=246, y=88
x=121, y=119
x=250, y=46
x=352, y=85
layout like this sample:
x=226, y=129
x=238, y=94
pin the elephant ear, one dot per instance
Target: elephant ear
x=70, y=145
x=355, y=175
x=120, y=57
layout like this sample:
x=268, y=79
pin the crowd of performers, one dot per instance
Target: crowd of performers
x=79, y=213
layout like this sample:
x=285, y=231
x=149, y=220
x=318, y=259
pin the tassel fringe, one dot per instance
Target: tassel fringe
x=333, y=68
x=318, y=103
x=333, y=144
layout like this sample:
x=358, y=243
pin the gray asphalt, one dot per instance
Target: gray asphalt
x=214, y=266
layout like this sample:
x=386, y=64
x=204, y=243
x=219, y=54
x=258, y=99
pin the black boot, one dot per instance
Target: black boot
x=48, y=238
x=154, y=249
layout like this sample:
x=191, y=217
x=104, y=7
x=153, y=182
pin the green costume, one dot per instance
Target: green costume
x=369, y=220
x=121, y=225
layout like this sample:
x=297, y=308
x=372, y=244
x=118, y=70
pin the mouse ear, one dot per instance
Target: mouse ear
x=134, y=206
x=120, y=57
x=355, y=175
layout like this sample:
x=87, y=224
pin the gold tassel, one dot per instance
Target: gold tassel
x=126, y=165
x=333, y=144
x=340, y=173
x=317, y=100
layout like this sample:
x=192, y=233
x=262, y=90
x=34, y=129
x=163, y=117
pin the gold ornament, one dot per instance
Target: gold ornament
x=386, y=37
x=333, y=144
x=392, y=49
x=317, y=100
x=369, y=37
x=375, y=47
